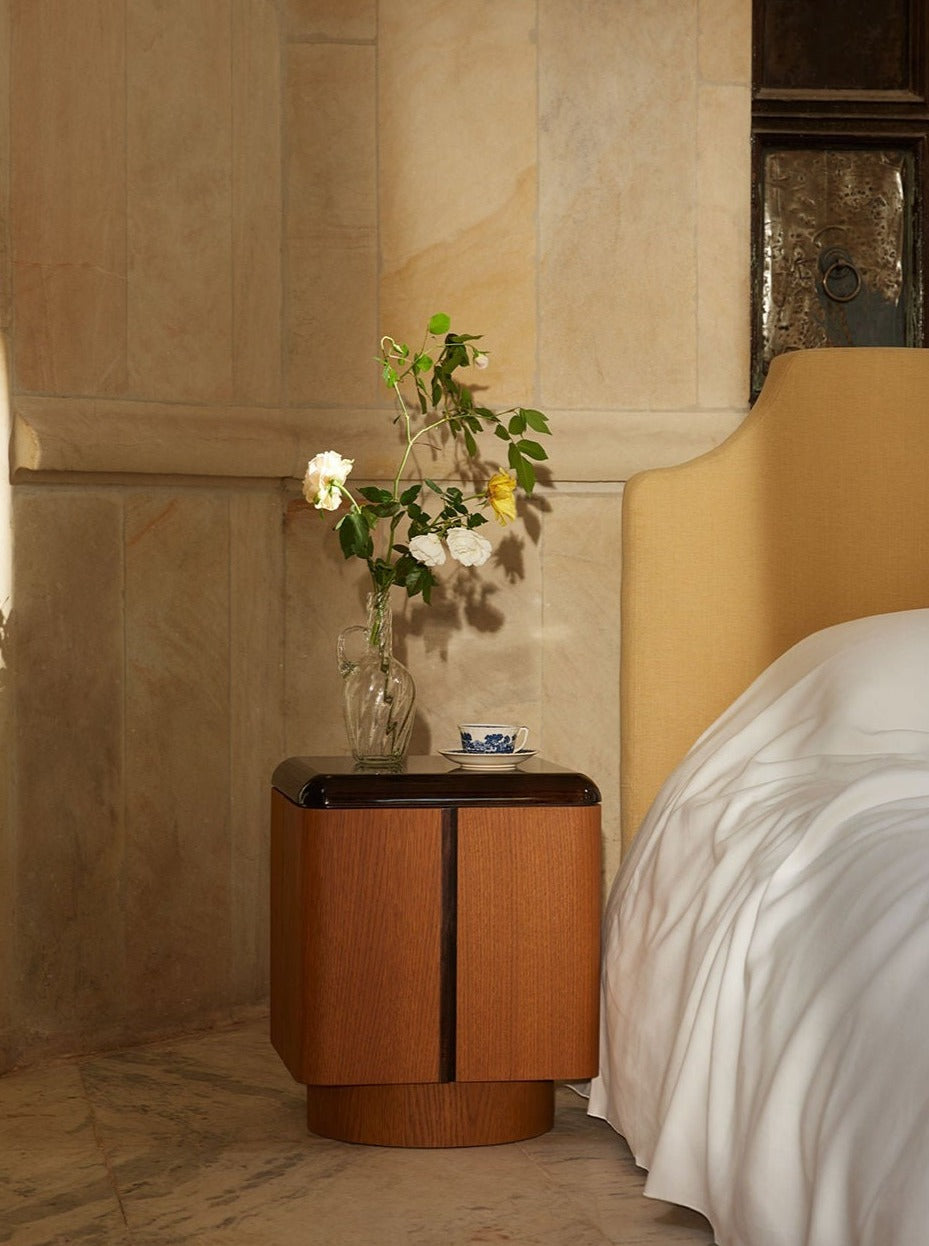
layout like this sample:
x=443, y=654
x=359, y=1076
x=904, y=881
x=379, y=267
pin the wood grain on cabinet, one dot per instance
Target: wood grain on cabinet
x=355, y=943
x=437, y=1114
x=528, y=943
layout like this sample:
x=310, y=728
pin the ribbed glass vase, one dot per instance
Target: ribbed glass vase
x=379, y=695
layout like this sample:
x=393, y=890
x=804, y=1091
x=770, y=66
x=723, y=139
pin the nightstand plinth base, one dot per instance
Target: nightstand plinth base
x=432, y=1114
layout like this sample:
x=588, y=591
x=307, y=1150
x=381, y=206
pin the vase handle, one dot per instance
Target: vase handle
x=347, y=664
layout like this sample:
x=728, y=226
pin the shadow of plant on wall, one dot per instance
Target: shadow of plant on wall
x=467, y=599
x=464, y=598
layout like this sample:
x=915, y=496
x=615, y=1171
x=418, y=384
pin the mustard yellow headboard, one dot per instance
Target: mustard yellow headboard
x=816, y=510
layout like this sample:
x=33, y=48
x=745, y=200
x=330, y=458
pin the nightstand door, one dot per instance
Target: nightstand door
x=355, y=943
x=528, y=943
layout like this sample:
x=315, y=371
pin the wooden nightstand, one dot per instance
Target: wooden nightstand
x=435, y=938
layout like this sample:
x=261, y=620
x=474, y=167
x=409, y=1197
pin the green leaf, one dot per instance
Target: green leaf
x=501, y=432
x=535, y=419
x=456, y=356
x=373, y=494
x=525, y=474
x=355, y=536
x=422, y=363
x=532, y=450
x=409, y=496
x=517, y=424
x=439, y=324
x=419, y=579
x=382, y=573
x=431, y=484
x=470, y=444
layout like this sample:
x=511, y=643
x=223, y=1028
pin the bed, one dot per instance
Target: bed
x=765, y=985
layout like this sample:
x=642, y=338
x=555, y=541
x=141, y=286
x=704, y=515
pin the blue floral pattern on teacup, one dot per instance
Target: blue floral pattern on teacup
x=495, y=742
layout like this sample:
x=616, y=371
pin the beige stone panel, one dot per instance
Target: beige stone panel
x=177, y=883
x=256, y=200
x=725, y=41
x=594, y=446
x=331, y=224
x=52, y=435
x=617, y=212
x=458, y=179
x=6, y=263
x=323, y=594
x=8, y=1025
x=67, y=208
x=8, y=1020
x=256, y=723
x=331, y=334
x=581, y=645
x=179, y=201
x=724, y=214
x=69, y=683
x=321, y=19
x=61, y=439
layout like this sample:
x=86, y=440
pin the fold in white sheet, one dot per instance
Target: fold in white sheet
x=765, y=1013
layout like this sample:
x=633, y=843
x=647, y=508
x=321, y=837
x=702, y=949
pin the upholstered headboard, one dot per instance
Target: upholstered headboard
x=814, y=511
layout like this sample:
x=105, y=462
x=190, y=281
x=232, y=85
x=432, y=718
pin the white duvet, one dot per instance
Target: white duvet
x=765, y=1017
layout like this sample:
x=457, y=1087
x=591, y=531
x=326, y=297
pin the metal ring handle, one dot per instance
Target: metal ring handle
x=841, y=264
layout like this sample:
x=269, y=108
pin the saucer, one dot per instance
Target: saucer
x=487, y=761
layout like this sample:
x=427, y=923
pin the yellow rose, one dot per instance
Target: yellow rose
x=500, y=490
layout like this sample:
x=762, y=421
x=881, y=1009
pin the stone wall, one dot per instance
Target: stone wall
x=214, y=208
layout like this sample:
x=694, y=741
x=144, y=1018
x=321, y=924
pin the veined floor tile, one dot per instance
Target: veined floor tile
x=584, y=1154
x=202, y=1142
x=54, y=1183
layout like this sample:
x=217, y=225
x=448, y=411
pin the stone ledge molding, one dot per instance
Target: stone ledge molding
x=63, y=439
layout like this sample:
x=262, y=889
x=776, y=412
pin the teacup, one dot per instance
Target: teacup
x=492, y=737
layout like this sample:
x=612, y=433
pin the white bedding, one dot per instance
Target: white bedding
x=765, y=1016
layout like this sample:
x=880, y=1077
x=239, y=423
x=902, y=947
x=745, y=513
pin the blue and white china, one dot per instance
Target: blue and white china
x=487, y=761
x=492, y=737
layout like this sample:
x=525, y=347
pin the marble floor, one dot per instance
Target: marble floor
x=202, y=1140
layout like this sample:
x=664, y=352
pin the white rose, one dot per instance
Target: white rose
x=324, y=474
x=467, y=547
x=428, y=550
x=480, y=359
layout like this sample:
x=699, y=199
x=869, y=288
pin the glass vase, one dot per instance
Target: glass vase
x=378, y=691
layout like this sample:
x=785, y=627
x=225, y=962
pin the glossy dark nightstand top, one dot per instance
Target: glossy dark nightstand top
x=338, y=783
